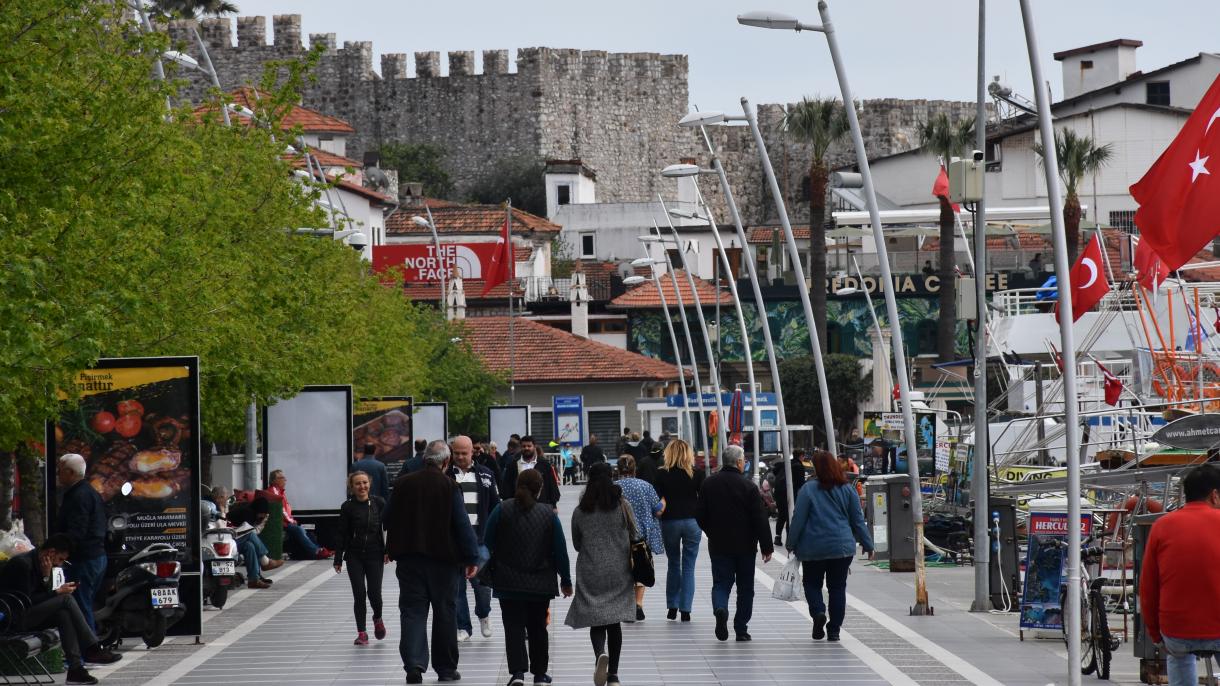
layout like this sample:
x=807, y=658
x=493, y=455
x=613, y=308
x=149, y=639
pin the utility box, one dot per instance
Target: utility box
x=966, y=179
x=1152, y=661
x=967, y=299
x=890, y=520
x=1002, y=565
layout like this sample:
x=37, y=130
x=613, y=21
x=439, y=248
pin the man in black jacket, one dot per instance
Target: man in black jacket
x=32, y=575
x=430, y=537
x=730, y=511
x=531, y=459
x=591, y=454
x=780, y=490
x=82, y=515
x=481, y=495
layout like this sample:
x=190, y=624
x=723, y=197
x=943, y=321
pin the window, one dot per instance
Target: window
x=994, y=156
x=734, y=257
x=1157, y=93
x=1086, y=64
x=675, y=257
x=607, y=425
x=542, y=428
x=607, y=326
x=1123, y=219
x=587, y=246
x=564, y=194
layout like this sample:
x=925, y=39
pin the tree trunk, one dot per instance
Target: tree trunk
x=33, y=513
x=7, y=466
x=946, y=330
x=1071, y=226
x=818, y=175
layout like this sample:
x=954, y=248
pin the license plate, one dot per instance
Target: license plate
x=223, y=568
x=165, y=597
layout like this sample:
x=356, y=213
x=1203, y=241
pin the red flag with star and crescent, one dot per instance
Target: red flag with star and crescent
x=1179, y=196
x=1089, y=284
x=501, y=268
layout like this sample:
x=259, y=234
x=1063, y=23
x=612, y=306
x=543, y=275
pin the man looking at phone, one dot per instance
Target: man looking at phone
x=35, y=575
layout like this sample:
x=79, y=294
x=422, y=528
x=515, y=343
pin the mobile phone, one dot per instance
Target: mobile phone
x=57, y=577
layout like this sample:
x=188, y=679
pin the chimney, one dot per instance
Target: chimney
x=411, y=194
x=578, y=294
x=1096, y=66
x=456, y=300
x=686, y=184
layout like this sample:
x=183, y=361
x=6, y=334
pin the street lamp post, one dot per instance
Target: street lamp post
x=690, y=345
x=982, y=441
x=440, y=260
x=1071, y=421
x=779, y=21
x=669, y=324
x=721, y=435
x=692, y=171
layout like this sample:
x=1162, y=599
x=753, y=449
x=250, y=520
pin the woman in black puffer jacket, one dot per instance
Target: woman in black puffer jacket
x=362, y=545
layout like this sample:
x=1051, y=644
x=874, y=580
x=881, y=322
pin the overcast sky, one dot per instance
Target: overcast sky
x=892, y=48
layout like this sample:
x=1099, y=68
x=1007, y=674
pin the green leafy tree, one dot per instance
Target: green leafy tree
x=803, y=400
x=520, y=179
x=130, y=231
x=1078, y=157
x=419, y=163
x=947, y=138
x=819, y=122
x=191, y=9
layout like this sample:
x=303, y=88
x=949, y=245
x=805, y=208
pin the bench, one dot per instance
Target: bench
x=20, y=651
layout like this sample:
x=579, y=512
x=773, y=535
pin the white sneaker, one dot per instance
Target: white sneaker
x=463, y=635
x=485, y=627
x=600, y=671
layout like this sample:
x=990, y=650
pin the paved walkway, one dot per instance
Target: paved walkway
x=300, y=632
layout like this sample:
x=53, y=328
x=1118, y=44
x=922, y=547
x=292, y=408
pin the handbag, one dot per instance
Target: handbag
x=639, y=556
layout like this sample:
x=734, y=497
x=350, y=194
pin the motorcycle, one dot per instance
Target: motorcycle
x=219, y=553
x=142, y=595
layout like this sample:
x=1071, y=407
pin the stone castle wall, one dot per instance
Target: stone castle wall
x=617, y=113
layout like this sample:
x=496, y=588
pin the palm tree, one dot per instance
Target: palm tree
x=945, y=139
x=1079, y=157
x=192, y=9
x=819, y=122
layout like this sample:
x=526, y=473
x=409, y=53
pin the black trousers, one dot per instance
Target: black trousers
x=63, y=613
x=365, y=571
x=423, y=584
x=613, y=634
x=522, y=619
x=781, y=517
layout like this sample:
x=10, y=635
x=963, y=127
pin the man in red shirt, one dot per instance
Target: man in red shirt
x=1180, y=577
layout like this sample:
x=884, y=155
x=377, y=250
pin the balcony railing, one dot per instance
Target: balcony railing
x=551, y=289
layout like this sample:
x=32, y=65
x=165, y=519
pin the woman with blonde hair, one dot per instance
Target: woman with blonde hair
x=678, y=486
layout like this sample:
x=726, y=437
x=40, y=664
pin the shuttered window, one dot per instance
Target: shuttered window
x=606, y=425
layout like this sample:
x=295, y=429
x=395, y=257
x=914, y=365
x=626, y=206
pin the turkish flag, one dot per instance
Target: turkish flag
x=940, y=188
x=1113, y=385
x=1089, y=285
x=1179, y=197
x=501, y=268
x=1150, y=271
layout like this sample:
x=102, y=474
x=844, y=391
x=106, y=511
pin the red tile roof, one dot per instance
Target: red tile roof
x=644, y=296
x=467, y=219
x=329, y=159
x=310, y=121
x=763, y=234
x=544, y=354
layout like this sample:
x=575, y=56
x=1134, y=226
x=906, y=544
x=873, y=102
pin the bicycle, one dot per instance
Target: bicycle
x=1096, y=643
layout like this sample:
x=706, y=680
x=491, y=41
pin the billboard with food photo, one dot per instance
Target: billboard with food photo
x=136, y=421
x=384, y=423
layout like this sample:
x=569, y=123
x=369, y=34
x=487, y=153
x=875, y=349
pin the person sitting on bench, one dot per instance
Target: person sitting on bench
x=32, y=575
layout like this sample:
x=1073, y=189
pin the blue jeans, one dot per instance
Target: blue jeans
x=88, y=575
x=296, y=536
x=1180, y=663
x=726, y=571
x=835, y=572
x=482, y=597
x=681, y=538
x=252, y=548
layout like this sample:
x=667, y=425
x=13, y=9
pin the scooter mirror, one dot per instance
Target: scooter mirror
x=126, y=488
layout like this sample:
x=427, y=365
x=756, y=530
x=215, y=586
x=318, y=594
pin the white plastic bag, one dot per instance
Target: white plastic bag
x=788, y=585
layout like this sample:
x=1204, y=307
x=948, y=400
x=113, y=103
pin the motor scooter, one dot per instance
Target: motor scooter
x=219, y=554
x=141, y=597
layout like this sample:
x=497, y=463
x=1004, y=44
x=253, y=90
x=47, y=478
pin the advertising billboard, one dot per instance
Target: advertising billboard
x=136, y=423
x=568, y=413
x=386, y=424
x=431, y=422
x=505, y=420
x=1046, y=569
x=421, y=263
x=309, y=436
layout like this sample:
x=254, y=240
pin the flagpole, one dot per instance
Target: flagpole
x=512, y=339
x=1071, y=613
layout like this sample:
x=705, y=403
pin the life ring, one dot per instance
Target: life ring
x=1152, y=505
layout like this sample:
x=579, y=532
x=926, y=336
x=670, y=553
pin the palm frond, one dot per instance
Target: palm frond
x=945, y=137
x=1078, y=157
x=821, y=122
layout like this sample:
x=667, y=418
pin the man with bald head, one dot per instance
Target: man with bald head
x=479, y=491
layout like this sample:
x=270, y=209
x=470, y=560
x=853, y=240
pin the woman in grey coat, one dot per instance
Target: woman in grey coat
x=602, y=529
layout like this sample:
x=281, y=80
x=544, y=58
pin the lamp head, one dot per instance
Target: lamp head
x=678, y=171
x=643, y=262
x=847, y=290
x=421, y=222
x=181, y=59
x=634, y=280
x=768, y=20
x=680, y=214
x=694, y=119
x=650, y=239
